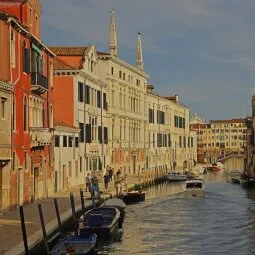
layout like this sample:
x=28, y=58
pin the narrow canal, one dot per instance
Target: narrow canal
x=223, y=222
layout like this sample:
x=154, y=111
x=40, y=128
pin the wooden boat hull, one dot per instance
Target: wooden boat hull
x=213, y=168
x=132, y=197
x=82, y=245
x=104, y=221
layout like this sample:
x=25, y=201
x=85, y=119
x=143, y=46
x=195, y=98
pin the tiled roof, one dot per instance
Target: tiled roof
x=68, y=51
x=61, y=123
x=59, y=64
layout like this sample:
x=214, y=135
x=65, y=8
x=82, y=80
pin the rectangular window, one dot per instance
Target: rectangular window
x=105, y=135
x=88, y=133
x=104, y=101
x=184, y=141
x=98, y=99
x=25, y=160
x=100, y=134
x=3, y=107
x=80, y=91
x=81, y=127
x=180, y=141
x=57, y=141
x=70, y=168
x=80, y=164
x=112, y=71
x=76, y=142
x=120, y=74
x=64, y=141
x=26, y=60
x=70, y=141
x=191, y=141
x=87, y=94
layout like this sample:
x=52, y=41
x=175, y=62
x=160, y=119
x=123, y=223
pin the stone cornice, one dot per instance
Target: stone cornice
x=124, y=64
x=6, y=86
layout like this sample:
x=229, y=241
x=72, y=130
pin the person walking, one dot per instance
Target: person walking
x=95, y=186
x=88, y=182
x=106, y=180
x=110, y=172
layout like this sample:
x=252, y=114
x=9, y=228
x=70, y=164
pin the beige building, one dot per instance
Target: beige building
x=126, y=106
x=5, y=143
x=169, y=137
x=220, y=137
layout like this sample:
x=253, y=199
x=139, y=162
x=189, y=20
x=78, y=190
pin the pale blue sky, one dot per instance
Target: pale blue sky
x=202, y=50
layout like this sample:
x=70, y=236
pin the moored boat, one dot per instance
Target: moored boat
x=132, y=196
x=104, y=221
x=194, y=188
x=176, y=176
x=235, y=176
x=76, y=245
x=119, y=204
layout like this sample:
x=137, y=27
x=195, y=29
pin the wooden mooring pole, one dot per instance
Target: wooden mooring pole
x=82, y=201
x=73, y=213
x=23, y=227
x=45, y=239
x=58, y=218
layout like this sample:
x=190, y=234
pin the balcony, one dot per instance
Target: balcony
x=39, y=83
x=40, y=136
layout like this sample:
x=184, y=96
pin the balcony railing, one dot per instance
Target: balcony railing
x=39, y=82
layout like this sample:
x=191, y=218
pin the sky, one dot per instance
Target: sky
x=201, y=50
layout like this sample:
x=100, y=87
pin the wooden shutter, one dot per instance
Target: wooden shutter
x=88, y=133
x=27, y=60
x=104, y=101
x=80, y=91
x=106, y=135
x=98, y=99
x=100, y=134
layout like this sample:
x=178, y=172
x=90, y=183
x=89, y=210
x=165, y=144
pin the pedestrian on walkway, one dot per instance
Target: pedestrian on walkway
x=174, y=165
x=106, y=180
x=118, y=173
x=95, y=185
x=88, y=182
x=110, y=172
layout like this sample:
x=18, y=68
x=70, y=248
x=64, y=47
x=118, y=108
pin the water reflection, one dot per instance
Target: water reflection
x=223, y=222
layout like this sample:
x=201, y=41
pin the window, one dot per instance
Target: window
x=64, y=141
x=80, y=91
x=26, y=58
x=120, y=74
x=124, y=76
x=70, y=141
x=88, y=133
x=112, y=71
x=70, y=168
x=80, y=164
x=25, y=114
x=57, y=141
x=3, y=107
x=13, y=161
x=12, y=49
x=104, y=101
x=76, y=142
x=98, y=99
x=25, y=160
x=106, y=135
x=81, y=127
x=87, y=94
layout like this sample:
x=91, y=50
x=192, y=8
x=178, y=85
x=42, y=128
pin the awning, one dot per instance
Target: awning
x=36, y=48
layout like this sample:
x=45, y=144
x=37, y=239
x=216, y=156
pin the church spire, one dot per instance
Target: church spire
x=139, y=52
x=113, y=37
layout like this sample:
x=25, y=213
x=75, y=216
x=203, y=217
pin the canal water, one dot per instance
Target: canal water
x=222, y=222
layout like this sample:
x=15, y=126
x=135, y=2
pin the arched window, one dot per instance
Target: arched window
x=25, y=117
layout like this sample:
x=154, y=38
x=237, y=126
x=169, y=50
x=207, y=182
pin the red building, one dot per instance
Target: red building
x=27, y=64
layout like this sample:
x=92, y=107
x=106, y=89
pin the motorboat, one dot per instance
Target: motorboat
x=216, y=167
x=133, y=196
x=176, y=176
x=73, y=244
x=104, y=221
x=194, y=188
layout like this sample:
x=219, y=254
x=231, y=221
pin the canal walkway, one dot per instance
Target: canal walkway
x=11, y=242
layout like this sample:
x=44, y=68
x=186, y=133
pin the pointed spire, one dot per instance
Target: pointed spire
x=113, y=37
x=139, y=52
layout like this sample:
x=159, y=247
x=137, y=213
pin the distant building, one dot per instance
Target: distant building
x=220, y=137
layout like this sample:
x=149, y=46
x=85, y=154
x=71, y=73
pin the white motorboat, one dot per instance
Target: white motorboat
x=194, y=188
x=176, y=176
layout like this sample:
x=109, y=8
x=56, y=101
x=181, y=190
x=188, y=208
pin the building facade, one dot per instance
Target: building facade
x=81, y=101
x=127, y=106
x=6, y=93
x=28, y=67
x=220, y=137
